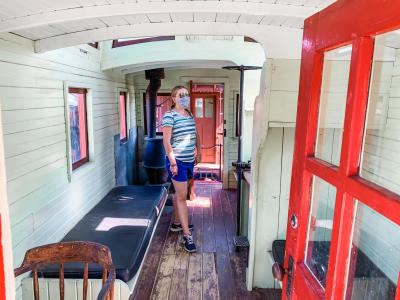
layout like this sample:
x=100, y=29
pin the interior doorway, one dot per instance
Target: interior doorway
x=207, y=107
x=204, y=114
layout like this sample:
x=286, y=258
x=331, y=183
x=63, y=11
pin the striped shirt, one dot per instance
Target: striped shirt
x=183, y=136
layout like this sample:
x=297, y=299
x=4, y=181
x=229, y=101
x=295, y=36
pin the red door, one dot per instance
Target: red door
x=2, y=269
x=205, y=117
x=343, y=233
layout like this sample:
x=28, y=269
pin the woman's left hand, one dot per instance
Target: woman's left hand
x=197, y=158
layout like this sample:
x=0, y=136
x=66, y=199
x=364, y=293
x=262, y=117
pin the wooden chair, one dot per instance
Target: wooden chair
x=64, y=252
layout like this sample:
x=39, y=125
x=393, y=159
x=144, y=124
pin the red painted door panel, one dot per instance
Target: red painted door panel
x=205, y=116
x=344, y=204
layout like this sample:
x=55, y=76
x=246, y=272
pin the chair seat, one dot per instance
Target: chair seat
x=123, y=221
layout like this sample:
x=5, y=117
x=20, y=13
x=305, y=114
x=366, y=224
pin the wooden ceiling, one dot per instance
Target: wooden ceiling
x=55, y=24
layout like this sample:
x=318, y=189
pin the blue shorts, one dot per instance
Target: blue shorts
x=185, y=170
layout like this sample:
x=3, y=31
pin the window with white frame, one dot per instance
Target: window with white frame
x=79, y=142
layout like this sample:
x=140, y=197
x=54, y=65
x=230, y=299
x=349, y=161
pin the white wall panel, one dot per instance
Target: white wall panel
x=43, y=204
x=274, y=167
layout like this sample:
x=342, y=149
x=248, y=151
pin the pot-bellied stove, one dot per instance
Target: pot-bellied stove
x=154, y=160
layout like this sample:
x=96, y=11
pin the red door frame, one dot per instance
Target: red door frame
x=2, y=268
x=345, y=22
x=219, y=111
x=214, y=150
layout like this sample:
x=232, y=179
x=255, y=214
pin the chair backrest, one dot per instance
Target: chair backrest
x=64, y=252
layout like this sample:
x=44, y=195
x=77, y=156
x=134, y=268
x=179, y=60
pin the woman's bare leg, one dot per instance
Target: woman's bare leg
x=180, y=203
x=176, y=216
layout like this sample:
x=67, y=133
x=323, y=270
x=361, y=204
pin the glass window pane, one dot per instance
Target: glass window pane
x=375, y=256
x=209, y=108
x=320, y=228
x=335, y=77
x=380, y=161
x=199, y=107
x=122, y=115
x=77, y=122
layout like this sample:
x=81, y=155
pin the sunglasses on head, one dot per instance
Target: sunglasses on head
x=181, y=95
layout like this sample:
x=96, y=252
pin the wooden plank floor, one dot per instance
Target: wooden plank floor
x=215, y=271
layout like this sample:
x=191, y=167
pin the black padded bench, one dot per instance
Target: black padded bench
x=124, y=221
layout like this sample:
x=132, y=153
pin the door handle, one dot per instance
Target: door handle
x=279, y=272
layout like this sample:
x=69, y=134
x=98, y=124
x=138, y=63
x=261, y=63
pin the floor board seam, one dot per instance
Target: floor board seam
x=159, y=263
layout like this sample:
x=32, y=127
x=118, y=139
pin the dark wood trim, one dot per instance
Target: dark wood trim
x=84, y=160
x=249, y=39
x=94, y=45
x=117, y=43
x=81, y=162
x=77, y=91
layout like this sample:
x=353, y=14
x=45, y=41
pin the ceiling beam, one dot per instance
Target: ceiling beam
x=200, y=64
x=277, y=41
x=83, y=13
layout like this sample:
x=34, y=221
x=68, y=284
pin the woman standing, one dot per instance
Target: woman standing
x=180, y=140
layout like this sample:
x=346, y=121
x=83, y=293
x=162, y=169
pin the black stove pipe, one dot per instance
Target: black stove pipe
x=154, y=160
x=155, y=76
